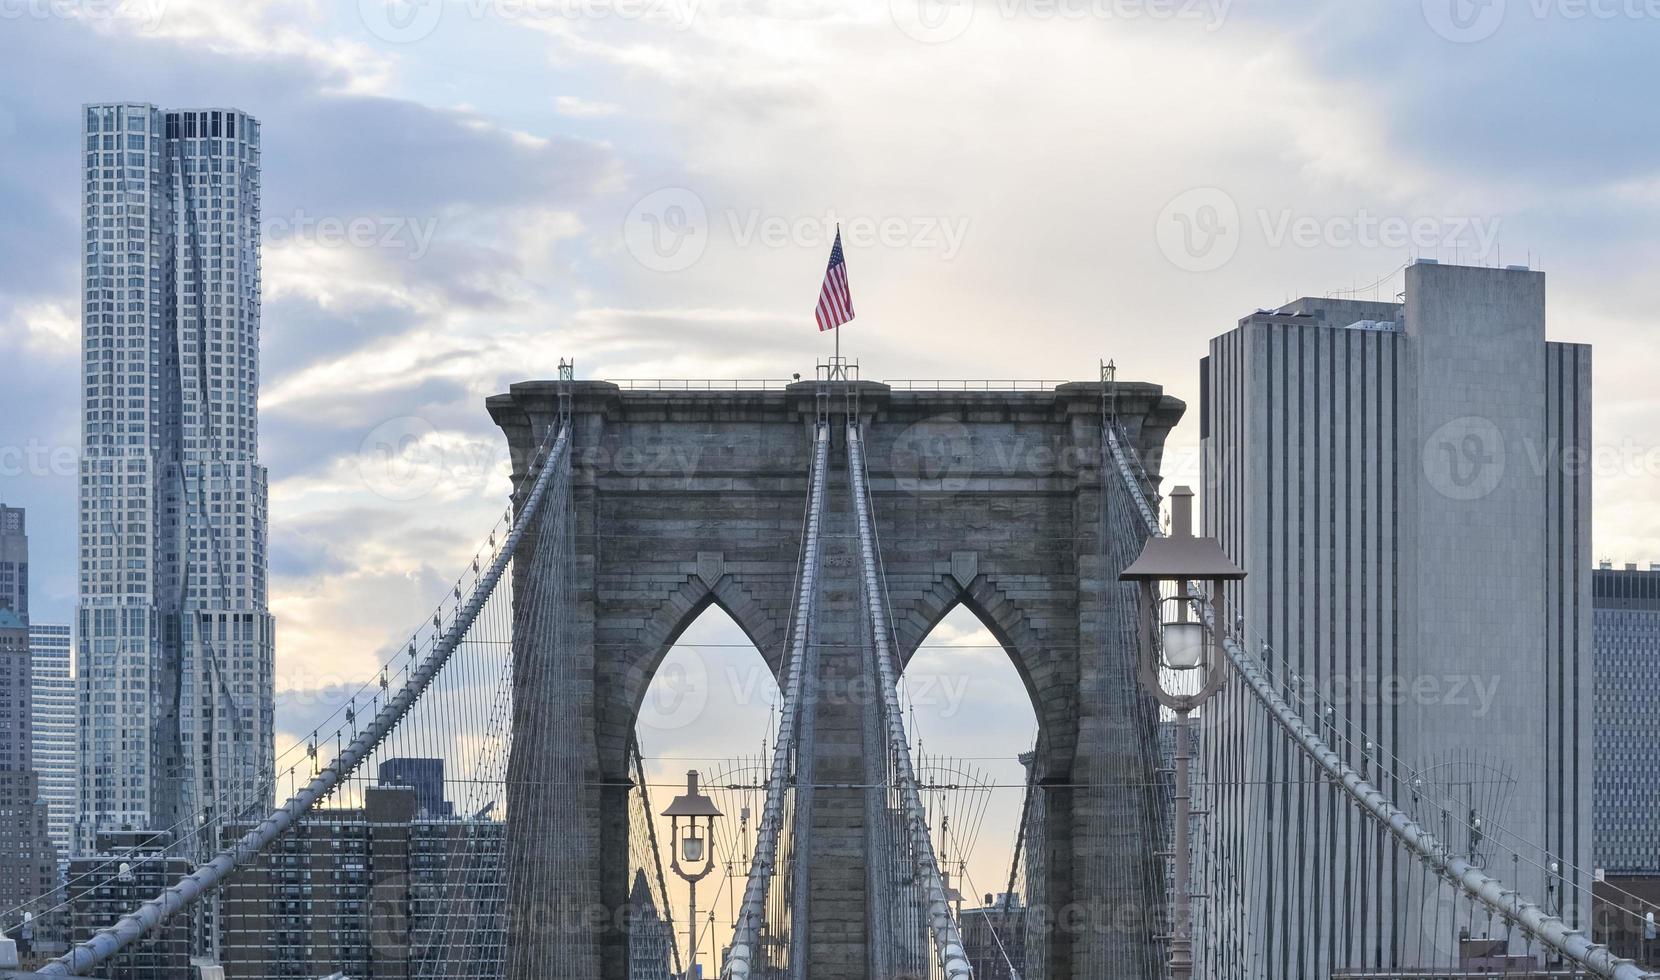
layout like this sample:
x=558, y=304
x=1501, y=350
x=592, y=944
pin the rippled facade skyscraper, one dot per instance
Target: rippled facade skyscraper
x=175, y=640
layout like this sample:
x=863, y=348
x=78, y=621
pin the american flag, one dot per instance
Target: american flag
x=835, y=303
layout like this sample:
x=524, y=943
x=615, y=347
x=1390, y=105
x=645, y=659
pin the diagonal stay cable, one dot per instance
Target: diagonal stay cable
x=188, y=890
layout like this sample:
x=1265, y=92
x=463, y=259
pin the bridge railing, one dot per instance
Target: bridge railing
x=942, y=923
x=779, y=384
x=744, y=958
x=971, y=384
x=701, y=384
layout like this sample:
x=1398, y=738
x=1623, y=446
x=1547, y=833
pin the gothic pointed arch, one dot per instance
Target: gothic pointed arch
x=627, y=674
x=1050, y=680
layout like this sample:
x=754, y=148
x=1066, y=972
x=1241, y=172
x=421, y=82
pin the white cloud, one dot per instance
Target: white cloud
x=1056, y=142
x=339, y=277
x=404, y=459
x=49, y=329
x=251, y=29
x=401, y=363
x=580, y=108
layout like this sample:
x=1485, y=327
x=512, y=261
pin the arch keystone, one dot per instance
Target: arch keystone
x=711, y=565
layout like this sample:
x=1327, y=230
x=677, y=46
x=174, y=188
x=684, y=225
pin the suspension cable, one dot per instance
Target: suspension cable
x=746, y=932
x=948, y=943
x=204, y=879
x=1549, y=929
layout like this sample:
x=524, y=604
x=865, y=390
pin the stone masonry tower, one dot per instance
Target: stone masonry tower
x=994, y=500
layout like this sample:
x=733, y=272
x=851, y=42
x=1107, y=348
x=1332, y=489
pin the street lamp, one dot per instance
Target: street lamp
x=1174, y=638
x=691, y=842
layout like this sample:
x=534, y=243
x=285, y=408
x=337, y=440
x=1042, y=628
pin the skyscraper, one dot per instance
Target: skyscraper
x=28, y=860
x=14, y=562
x=28, y=864
x=53, y=714
x=1627, y=631
x=1406, y=485
x=174, y=638
x=425, y=777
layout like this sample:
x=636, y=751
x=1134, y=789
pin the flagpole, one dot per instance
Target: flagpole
x=835, y=306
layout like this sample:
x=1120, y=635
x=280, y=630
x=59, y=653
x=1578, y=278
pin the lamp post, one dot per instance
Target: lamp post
x=694, y=843
x=1174, y=638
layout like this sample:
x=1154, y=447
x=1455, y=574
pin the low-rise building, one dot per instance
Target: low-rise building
x=373, y=892
x=994, y=938
x=1625, y=920
x=130, y=868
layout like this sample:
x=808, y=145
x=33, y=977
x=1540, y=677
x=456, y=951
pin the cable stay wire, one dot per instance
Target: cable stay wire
x=328, y=780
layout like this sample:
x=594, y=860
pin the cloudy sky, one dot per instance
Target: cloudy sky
x=460, y=192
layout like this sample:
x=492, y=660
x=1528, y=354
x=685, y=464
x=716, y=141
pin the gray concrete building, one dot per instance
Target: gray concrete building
x=14, y=561
x=175, y=641
x=28, y=864
x=1405, y=484
x=1627, y=793
x=55, y=729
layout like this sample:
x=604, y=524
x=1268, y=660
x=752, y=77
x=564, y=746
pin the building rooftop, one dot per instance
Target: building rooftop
x=1607, y=565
